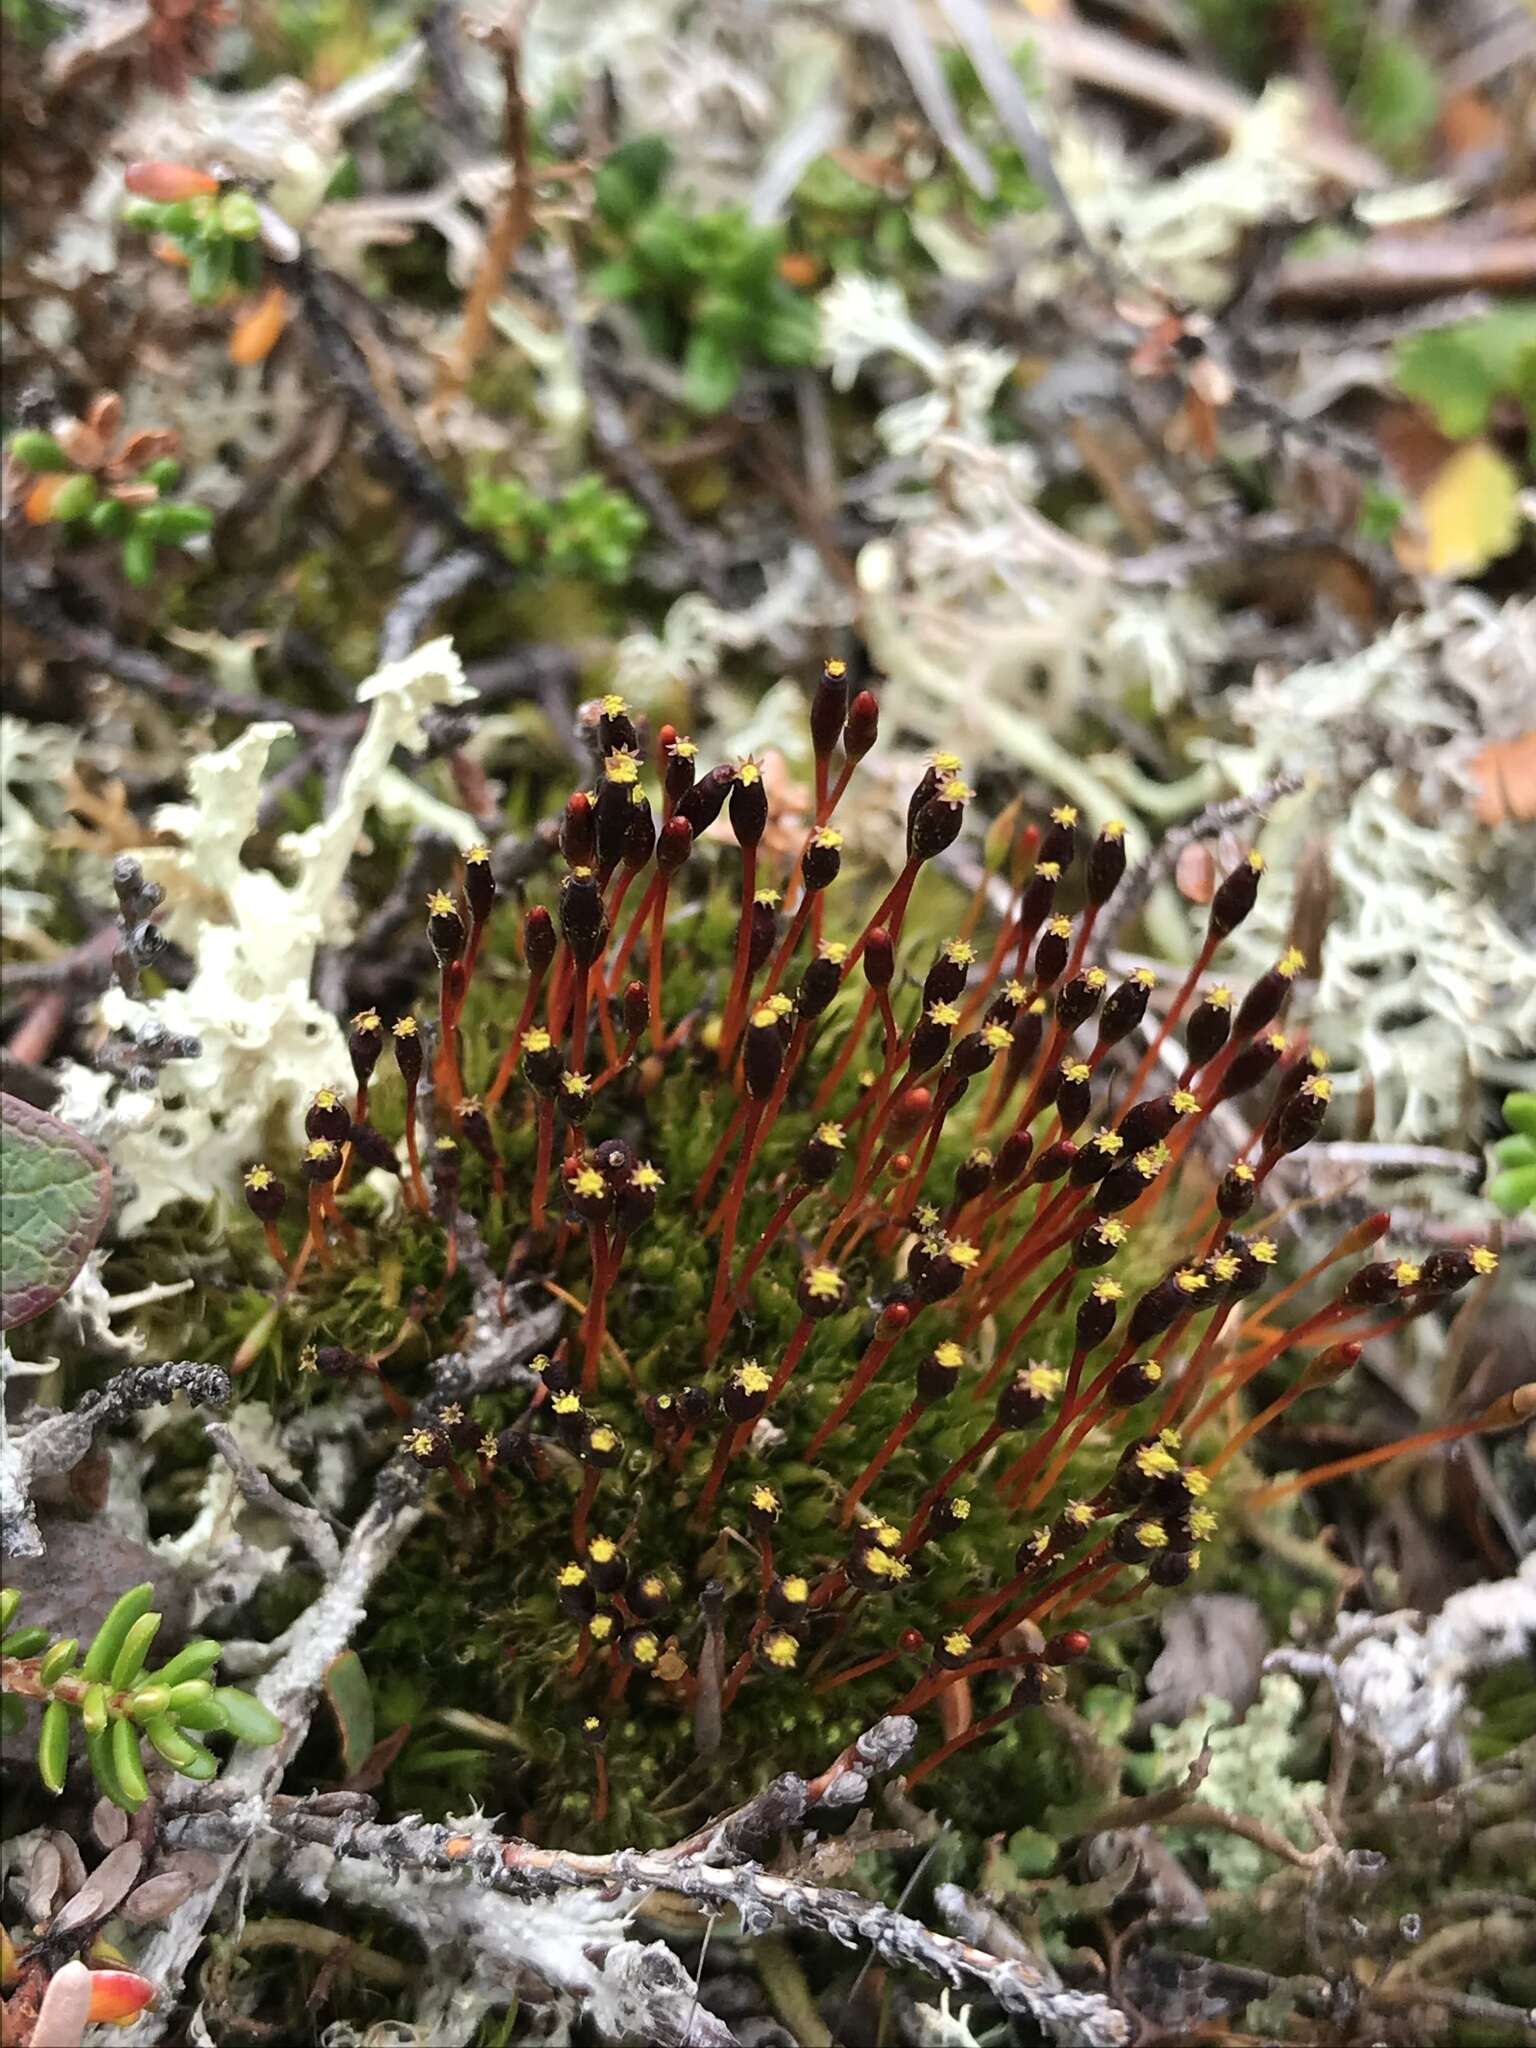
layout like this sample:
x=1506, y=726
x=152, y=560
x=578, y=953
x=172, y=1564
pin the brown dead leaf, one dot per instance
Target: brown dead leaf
x=1195, y=872
x=1506, y=781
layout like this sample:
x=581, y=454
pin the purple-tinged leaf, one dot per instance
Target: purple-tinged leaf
x=55, y=1192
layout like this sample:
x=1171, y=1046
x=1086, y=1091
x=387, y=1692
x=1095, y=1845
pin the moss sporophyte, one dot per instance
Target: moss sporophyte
x=911, y=1313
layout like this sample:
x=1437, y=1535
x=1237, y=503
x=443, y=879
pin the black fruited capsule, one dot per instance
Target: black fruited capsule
x=479, y=883
x=680, y=764
x=829, y=707
x=1209, y=1027
x=1072, y=1093
x=601, y=1446
x=1300, y=1117
x=1133, y=1383
x=1236, y=895
x=946, y=978
x=1447, y=1272
x=1106, y=863
x=1026, y=1396
x=1096, y=1316
x=745, y=1394
x=974, y=1053
x=373, y=1149
x=635, y=1203
x=821, y=1292
x=445, y=927
x=365, y=1041
x=762, y=1054
x=1237, y=1192
x=1096, y=1159
x=1264, y=1000
x=327, y=1117
x=949, y=1511
x=648, y=1597
x=1137, y=1537
x=697, y=1404
x=1013, y=1157
x=543, y=1062
x=640, y=831
x=1055, y=943
x=614, y=808
x=265, y=1194
x=937, y=825
x=822, y=979
x=574, y=1097
x=1148, y=1123
x=822, y=1154
x=1172, y=1567
x=1125, y=1183
x=1038, y=899
x=1126, y=1006
x=765, y=928
x=930, y=1039
x=700, y=805
x=822, y=859
x=1181, y=1293
x=1078, y=998
x=1251, y=1065
x=321, y=1162
x=748, y=804
x=475, y=1126
x=1054, y=1162
x=879, y=958
x=938, y=1372
x=973, y=1176
x=615, y=726
x=1097, y=1244
x=583, y=921
x=1059, y=846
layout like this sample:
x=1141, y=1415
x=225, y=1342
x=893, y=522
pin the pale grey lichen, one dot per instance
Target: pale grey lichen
x=1249, y=1774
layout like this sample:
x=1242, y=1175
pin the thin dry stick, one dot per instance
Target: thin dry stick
x=510, y=228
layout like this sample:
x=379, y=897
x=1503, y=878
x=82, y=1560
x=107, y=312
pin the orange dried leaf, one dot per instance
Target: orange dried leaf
x=41, y=497
x=1506, y=781
x=255, y=333
x=1195, y=873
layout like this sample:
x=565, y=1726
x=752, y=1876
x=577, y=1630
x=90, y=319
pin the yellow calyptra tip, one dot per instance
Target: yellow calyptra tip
x=949, y=1355
x=1060, y=927
x=1108, y=1290
x=1015, y=993
x=926, y=1217
x=309, y=1359
x=487, y=1448
x=1076, y=1070
x=955, y=1643
x=404, y=1027
x=1185, y=1103
x=1291, y=962
x=1144, y=977
x=441, y=904
x=946, y=764
x=1113, y=828
x=751, y=1378
x=835, y=669
x=1152, y=1370
x=827, y=837
x=766, y=899
x=537, y=1040
x=684, y=749
x=1255, y=860
x=1406, y=1273
x=645, y=1648
x=959, y=952
x=1048, y=870
x=1038, y=1005
x=646, y=1178
x=1114, y=1232
x=1276, y=1041
x=319, y=1148
x=603, y=1439
x=1152, y=1535
x=781, y=1005
x=885, y=1534
x=1198, y=1482
x=1107, y=1142
x=476, y=855
x=1242, y=1171
x=944, y=1014
x=1485, y=1259
x=419, y=1442
x=1044, y=1381
x=781, y=1650
x=832, y=1135
x=567, y=1403
x=1264, y=1249
x=621, y=768
x=764, y=1017
x=996, y=1037
x=1155, y=1461
x=960, y=1508
x=1202, y=1524
x=1149, y=1164
x=602, y=1550
x=953, y=790
x=589, y=1184
x=451, y=1415
x=748, y=773
x=1064, y=814
x=1171, y=1439
x=1096, y=978
x=571, y=1574
x=1040, y=1542
x=824, y=1283
x=1219, y=997
x=326, y=1098
x=1317, y=1088
x=1226, y=1266
x=964, y=1255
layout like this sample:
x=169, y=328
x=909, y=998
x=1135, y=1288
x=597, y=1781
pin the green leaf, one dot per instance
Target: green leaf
x=1396, y=95
x=630, y=177
x=138, y=559
x=351, y=1701
x=53, y=1746
x=1032, y=1852
x=55, y=1192
x=130, y=1659
x=128, y=1765
x=1457, y=372
x=59, y=1657
x=1520, y=1112
x=246, y=1718
x=711, y=373
x=113, y=1632
x=1514, y=1191
x=194, y=1661
x=40, y=452
x=10, y=1601
x=13, y=1713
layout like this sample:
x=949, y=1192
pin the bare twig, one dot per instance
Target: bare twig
x=311, y=1528
x=510, y=228
x=413, y=608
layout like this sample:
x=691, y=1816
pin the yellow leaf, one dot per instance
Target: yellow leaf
x=1470, y=513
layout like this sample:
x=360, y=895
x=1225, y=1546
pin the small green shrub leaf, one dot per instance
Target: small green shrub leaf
x=351, y=1698
x=55, y=1191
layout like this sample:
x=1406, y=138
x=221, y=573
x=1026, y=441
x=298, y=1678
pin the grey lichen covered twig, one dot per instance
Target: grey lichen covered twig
x=57, y=1443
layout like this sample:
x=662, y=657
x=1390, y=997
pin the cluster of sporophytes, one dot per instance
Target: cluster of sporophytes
x=117, y=1703
x=910, y=1319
